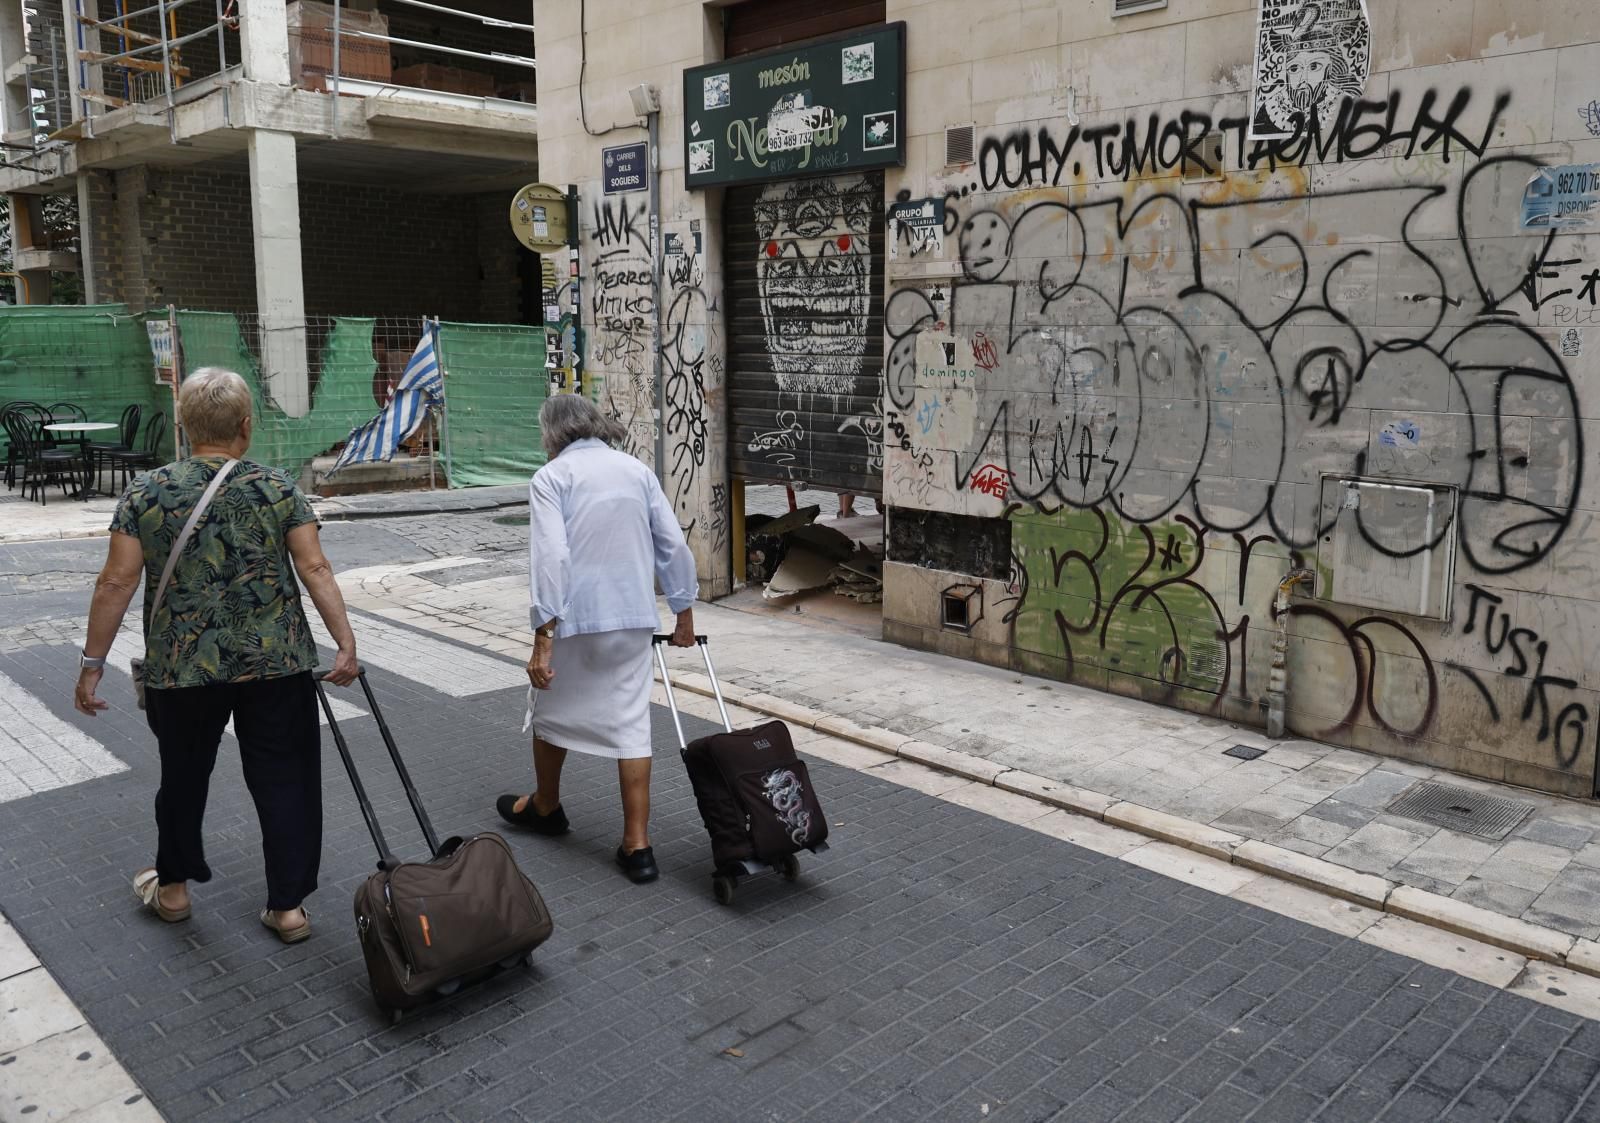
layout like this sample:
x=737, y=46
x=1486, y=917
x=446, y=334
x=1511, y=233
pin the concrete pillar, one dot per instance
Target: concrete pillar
x=28, y=239
x=87, y=250
x=18, y=127
x=132, y=184
x=280, y=287
x=264, y=42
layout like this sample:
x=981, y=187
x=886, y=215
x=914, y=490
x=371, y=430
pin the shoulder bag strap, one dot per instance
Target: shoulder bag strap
x=188, y=532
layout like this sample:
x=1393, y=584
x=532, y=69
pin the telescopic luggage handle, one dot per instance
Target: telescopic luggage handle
x=660, y=642
x=386, y=857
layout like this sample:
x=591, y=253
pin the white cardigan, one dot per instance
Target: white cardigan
x=601, y=533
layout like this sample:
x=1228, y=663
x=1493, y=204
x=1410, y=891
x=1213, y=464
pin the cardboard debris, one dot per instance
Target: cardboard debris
x=860, y=578
x=811, y=556
x=784, y=524
x=801, y=570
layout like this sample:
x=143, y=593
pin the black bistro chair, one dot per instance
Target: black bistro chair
x=146, y=456
x=66, y=411
x=13, y=448
x=41, y=465
x=127, y=434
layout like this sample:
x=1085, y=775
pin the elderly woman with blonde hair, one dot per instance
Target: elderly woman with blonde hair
x=601, y=535
x=219, y=541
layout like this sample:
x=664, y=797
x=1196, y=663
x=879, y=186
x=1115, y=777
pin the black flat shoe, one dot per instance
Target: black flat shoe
x=552, y=824
x=640, y=866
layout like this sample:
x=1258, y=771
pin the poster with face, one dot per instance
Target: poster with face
x=814, y=274
x=1310, y=56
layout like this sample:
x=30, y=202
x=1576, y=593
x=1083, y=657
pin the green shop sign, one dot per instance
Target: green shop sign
x=837, y=105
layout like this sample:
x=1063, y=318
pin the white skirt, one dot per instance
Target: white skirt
x=599, y=701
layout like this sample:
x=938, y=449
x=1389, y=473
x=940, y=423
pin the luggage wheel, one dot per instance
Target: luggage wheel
x=789, y=867
x=723, y=887
x=445, y=990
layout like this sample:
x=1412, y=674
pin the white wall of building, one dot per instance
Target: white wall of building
x=1154, y=374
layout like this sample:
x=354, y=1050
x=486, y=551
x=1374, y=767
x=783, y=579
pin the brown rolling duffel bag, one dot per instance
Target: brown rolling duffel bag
x=429, y=928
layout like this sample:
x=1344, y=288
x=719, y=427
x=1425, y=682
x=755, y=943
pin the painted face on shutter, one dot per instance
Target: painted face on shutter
x=813, y=273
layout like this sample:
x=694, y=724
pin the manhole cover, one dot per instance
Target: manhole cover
x=1244, y=752
x=1460, y=809
x=510, y=520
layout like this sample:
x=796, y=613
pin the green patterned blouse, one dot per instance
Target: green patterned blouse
x=232, y=611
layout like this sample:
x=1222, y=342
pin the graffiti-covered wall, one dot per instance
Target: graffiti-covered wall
x=1293, y=290
x=611, y=49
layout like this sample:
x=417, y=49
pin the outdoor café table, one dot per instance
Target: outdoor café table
x=83, y=429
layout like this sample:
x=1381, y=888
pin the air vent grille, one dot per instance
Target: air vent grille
x=958, y=146
x=1133, y=7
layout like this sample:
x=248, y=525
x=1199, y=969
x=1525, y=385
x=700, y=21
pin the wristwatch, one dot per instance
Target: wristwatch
x=548, y=630
x=89, y=663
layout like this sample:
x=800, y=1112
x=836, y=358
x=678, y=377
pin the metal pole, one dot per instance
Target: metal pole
x=444, y=377
x=336, y=41
x=654, y=126
x=222, y=41
x=166, y=70
x=575, y=275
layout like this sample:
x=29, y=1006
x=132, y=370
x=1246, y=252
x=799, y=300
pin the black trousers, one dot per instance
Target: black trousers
x=280, y=747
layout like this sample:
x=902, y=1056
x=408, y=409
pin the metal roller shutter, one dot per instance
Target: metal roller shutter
x=805, y=274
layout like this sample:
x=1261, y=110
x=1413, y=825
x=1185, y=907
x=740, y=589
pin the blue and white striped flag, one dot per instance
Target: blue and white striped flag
x=421, y=387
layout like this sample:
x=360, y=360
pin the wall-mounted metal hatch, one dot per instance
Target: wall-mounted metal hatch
x=1385, y=545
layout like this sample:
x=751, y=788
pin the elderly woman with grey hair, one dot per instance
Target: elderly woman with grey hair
x=219, y=541
x=601, y=535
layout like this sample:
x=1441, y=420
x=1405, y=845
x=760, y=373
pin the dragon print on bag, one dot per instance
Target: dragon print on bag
x=784, y=791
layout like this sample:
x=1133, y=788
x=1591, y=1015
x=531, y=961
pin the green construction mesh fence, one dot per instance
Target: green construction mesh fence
x=341, y=398
x=96, y=357
x=99, y=359
x=495, y=382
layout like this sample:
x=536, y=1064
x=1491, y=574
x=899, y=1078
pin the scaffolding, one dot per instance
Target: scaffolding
x=147, y=59
x=157, y=52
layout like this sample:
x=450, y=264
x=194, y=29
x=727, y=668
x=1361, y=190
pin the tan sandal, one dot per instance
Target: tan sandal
x=288, y=935
x=147, y=885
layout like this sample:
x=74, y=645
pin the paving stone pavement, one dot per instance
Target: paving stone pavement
x=937, y=963
x=1305, y=796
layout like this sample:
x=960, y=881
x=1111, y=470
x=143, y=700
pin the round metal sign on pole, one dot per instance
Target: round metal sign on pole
x=539, y=217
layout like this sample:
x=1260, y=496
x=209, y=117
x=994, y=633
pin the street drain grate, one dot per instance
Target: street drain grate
x=1244, y=752
x=1461, y=809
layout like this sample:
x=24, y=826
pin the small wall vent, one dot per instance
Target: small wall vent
x=958, y=146
x=1134, y=7
x=1212, y=149
x=960, y=608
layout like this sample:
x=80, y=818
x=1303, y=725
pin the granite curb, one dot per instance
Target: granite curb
x=1534, y=941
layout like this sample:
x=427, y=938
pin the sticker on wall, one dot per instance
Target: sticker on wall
x=1400, y=434
x=1571, y=343
x=1591, y=117
x=858, y=64
x=880, y=130
x=1310, y=56
x=718, y=91
x=703, y=156
x=792, y=123
x=920, y=224
x=1563, y=198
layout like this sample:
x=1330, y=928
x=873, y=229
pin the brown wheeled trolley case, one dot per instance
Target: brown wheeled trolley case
x=429, y=928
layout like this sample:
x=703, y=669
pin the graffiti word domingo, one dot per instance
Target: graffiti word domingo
x=1360, y=128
